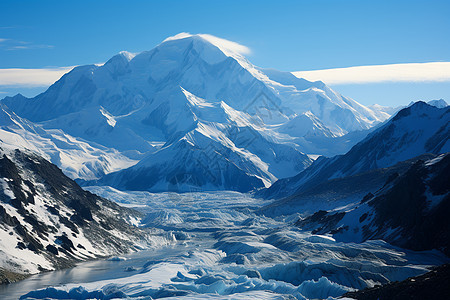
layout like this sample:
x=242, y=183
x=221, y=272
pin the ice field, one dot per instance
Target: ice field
x=219, y=247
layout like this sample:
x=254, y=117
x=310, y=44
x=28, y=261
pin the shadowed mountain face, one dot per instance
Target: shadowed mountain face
x=418, y=129
x=48, y=222
x=431, y=285
x=339, y=192
x=187, y=97
x=410, y=211
x=405, y=202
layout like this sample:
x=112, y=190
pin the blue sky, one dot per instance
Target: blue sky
x=285, y=35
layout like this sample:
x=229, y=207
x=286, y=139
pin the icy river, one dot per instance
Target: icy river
x=215, y=246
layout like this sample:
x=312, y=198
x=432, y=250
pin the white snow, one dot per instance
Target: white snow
x=190, y=105
x=231, y=253
x=76, y=157
x=128, y=108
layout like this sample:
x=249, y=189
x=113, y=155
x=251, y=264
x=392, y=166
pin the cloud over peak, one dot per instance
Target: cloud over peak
x=227, y=46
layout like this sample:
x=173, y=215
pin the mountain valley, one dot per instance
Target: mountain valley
x=186, y=171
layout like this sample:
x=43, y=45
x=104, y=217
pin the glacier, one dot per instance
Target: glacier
x=222, y=249
x=232, y=182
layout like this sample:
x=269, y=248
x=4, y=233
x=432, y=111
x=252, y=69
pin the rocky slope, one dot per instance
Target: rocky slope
x=410, y=211
x=431, y=285
x=48, y=222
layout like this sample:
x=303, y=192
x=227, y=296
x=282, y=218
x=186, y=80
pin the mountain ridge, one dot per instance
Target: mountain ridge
x=138, y=104
x=48, y=222
x=409, y=211
x=414, y=130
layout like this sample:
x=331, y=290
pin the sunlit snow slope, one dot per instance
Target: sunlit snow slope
x=77, y=158
x=192, y=94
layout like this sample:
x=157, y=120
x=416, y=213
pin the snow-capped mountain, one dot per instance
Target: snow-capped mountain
x=410, y=211
x=98, y=125
x=417, y=129
x=77, y=158
x=204, y=67
x=48, y=222
x=139, y=104
x=219, y=148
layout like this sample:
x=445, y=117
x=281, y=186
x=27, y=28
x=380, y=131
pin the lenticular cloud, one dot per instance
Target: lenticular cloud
x=228, y=47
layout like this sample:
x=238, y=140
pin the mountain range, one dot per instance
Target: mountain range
x=193, y=114
x=144, y=116
x=415, y=130
x=393, y=185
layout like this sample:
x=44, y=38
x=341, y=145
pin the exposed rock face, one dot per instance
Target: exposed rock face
x=47, y=221
x=431, y=285
x=410, y=211
x=338, y=192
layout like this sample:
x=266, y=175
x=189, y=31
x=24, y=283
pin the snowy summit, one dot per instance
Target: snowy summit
x=155, y=109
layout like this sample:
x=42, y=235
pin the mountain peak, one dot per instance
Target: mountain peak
x=418, y=107
x=122, y=56
x=441, y=103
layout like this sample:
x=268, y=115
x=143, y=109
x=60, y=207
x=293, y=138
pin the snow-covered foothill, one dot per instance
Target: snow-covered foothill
x=48, y=222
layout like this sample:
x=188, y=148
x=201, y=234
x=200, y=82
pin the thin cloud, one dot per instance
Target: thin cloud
x=17, y=47
x=411, y=72
x=31, y=77
x=21, y=47
x=228, y=47
x=10, y=45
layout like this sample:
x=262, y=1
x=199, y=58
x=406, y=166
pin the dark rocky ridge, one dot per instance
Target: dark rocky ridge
x=48, y=213
x=431, y=285
x=339, y=191
x=411, y=211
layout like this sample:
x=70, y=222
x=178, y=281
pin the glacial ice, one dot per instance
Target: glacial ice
x=225, y=251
